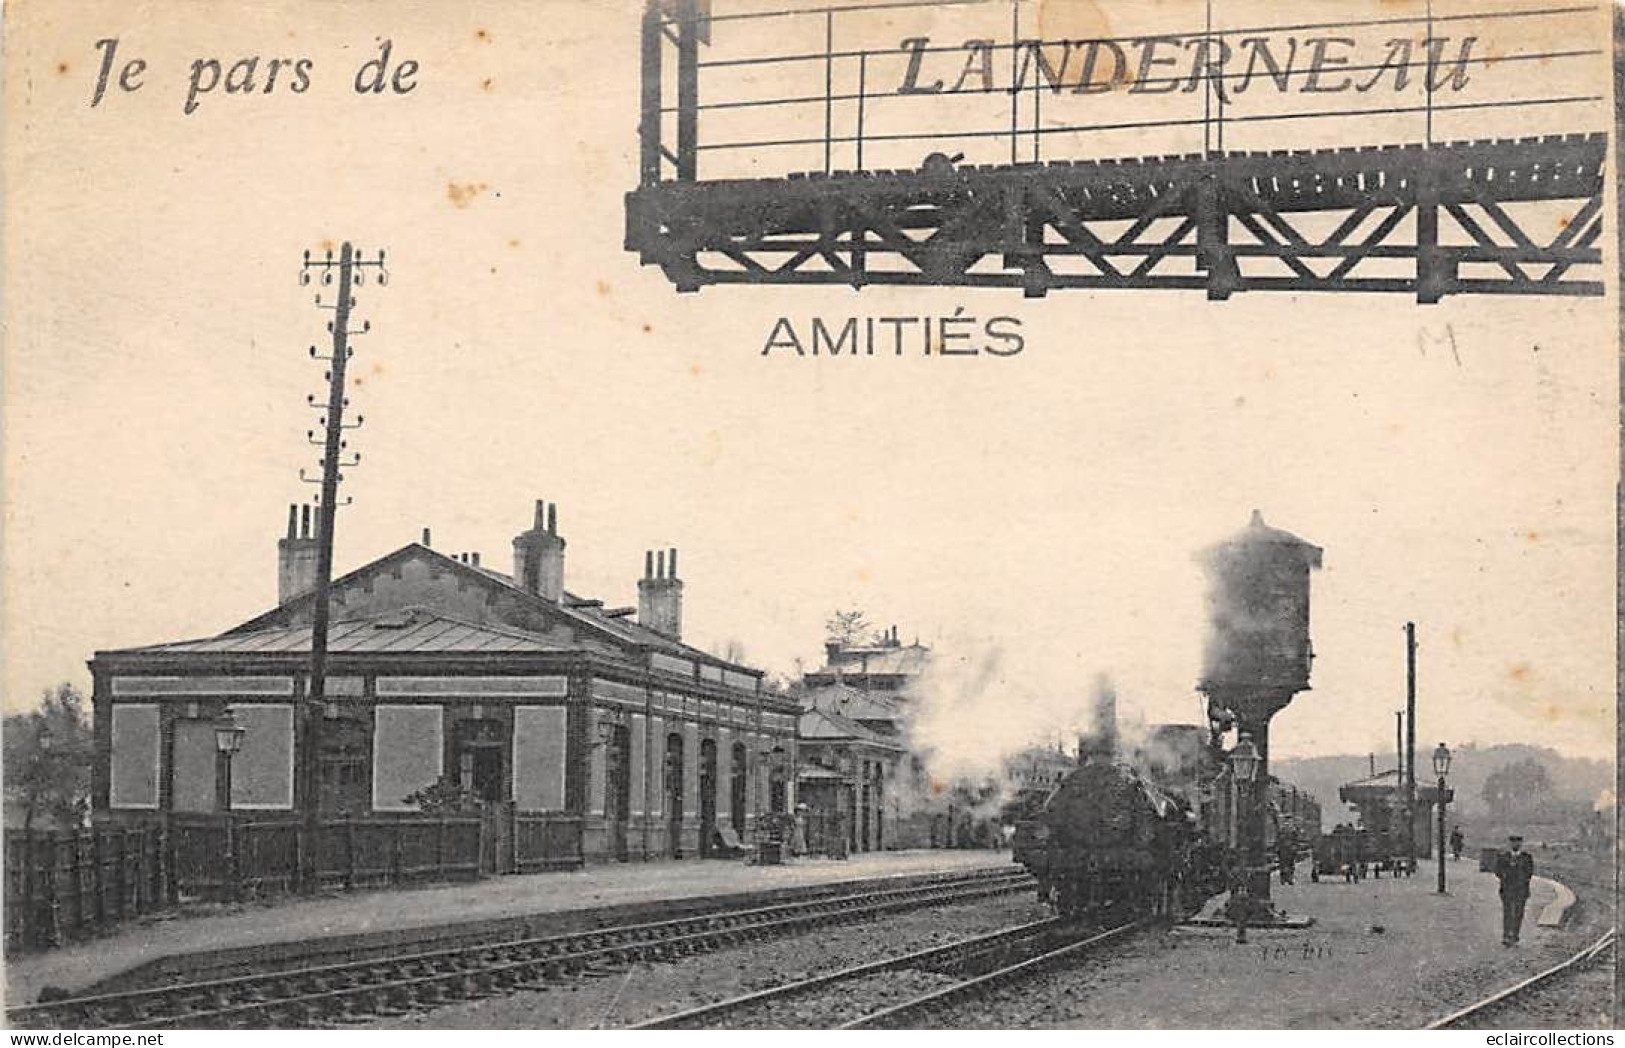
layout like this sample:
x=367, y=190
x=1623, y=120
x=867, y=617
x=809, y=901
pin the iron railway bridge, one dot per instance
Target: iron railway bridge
x=894, y=201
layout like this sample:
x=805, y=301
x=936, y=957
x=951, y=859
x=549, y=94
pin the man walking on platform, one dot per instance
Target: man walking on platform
x=1513, y=869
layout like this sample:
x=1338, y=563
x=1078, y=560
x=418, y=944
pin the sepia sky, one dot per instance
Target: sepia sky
x=1036, y=515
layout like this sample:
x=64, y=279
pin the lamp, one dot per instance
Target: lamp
x=228, y=739
x=228, y=735
x=776, y=758
x=1441, y=760
x=1244, y=760
x=1244, y=763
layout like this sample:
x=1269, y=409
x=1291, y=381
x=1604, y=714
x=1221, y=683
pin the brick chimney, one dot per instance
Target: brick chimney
x=296, y=556
x=538, y=555
x=660, y=595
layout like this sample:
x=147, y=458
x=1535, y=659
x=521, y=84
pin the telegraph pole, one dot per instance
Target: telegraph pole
x=1399, y=773
x=1410, y=742
x=348, y=271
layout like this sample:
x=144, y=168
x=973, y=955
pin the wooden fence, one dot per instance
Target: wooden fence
x=58, y=885
x=61, y=887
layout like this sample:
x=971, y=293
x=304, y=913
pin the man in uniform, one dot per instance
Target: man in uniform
x=1513, y=868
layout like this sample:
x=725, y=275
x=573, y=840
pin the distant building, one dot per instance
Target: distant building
x=1380, y=799
x=888, y=668
x=857, y=774
x=843, y=777
x=1030, y=777
x=585, y=732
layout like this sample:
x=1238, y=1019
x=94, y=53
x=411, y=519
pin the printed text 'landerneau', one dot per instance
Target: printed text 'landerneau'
x=949, y=335
x=1185, y=64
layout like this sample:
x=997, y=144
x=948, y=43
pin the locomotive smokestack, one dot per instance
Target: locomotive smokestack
x=1101, y=739
x=1106, y=715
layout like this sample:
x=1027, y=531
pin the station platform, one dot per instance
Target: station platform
x=1380, y=953
x=416, y=913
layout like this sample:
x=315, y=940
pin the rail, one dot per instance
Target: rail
x=905, y=1012
x=709, y=1014
x=1579, y=960
x=343, y=992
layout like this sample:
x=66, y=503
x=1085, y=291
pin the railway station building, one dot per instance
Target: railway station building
x=1380, y=800
x=886, y=668
x=845, y=771
x=578, y=732
x=859, y=776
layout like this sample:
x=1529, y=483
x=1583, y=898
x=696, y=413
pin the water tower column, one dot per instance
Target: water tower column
x=1256, y=659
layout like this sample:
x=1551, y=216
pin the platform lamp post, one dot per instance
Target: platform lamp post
x=1244, y=761
x=1441, y=768
x=228, y=740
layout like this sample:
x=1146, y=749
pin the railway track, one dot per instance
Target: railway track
x=1518, y=993
x=356, y=991
x=917, y=982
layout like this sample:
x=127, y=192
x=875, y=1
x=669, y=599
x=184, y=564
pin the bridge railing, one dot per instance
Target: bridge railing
x=758, y=88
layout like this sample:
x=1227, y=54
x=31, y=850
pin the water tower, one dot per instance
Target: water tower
x=1257, y=655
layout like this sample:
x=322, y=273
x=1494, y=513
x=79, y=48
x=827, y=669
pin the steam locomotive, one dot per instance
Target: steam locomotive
x=1148, y=838
x=1112, y=840
x=1151, y=835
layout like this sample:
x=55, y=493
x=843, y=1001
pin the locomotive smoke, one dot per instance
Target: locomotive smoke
x=971, y=716
x=975, y=717
x=1238, y=613
x=982, y=704
x=1101, y=739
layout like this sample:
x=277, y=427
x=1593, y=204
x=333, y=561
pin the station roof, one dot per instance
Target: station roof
x=823, y=726
x=854, y=703
x=407, y=631
x=1384, y=785
x=885, y=660
x=587, y=615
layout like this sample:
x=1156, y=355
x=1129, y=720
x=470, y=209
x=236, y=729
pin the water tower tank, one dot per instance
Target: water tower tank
x=1258, y=611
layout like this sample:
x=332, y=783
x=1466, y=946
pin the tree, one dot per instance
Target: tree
x=47, y=754
x=849, y=629
x=780, y=686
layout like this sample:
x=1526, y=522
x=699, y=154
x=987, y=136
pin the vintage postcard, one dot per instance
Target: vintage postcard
x=810, y=514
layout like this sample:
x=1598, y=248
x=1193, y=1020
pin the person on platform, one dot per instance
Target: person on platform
x=1286, y=858
x=1457, y=842
x=1513, y=868
x=798, y=831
